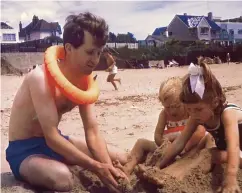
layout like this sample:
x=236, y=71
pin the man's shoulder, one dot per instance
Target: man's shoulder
x=36, y=75
x=36, y=78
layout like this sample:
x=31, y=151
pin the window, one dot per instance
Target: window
x=9, y=37
x=204, y=30
x=231, y=31
x=239, y=31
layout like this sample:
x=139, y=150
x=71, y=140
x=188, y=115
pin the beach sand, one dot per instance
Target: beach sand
x=123, y=117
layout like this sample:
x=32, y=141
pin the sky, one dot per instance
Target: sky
x=138, y=17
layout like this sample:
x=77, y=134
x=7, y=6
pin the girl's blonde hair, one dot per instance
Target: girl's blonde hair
x=170, y=89
x=213, y=93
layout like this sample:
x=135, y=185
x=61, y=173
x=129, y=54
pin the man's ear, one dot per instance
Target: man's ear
x=68, y=47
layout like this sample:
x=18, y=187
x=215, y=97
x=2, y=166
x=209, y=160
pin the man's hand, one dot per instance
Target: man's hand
x=109, y=176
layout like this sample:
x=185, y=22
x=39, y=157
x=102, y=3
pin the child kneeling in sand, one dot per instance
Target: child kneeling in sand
x=206, y=103
x=173, y=117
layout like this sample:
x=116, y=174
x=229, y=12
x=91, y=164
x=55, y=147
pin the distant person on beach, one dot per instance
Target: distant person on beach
x=112, y=68
x=171, y=123
x=206, y=103
x=228, y=58
x=38, y=153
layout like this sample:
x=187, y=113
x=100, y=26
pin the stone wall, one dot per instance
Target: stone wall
x=23, y=61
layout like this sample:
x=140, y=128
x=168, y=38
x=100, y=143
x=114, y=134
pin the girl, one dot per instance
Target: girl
x=173, y=117
x=112, y=68
x=205, y=101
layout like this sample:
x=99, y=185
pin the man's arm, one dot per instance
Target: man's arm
x=47, y=114
x=95, y=142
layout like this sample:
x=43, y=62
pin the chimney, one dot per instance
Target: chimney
x=210, y=16
x=20, y=26
x=35, y=20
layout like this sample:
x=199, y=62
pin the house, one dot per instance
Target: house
x=158, y=37
x=8, y=34
x=161, y=31
x=155, y=40
x=191, y=28
x=231, y=32
x=39, y=29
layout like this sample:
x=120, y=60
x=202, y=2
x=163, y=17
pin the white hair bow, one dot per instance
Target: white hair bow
x=196, y=79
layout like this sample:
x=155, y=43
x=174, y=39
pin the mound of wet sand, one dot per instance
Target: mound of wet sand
x=192, y=172
x=189, y=173
x=8, y=69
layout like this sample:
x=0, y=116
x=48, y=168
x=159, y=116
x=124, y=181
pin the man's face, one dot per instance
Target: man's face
x=86, y=57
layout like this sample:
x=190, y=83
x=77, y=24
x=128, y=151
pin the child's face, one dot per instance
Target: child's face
x=173, y=109
x=201, y=112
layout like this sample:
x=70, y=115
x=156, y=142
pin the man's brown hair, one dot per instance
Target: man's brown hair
x=77, y=24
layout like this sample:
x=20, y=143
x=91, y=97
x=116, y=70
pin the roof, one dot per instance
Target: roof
x=159, y=31
x=156, y=37
x=5, y=26
x=40, y=25
x=193, y=21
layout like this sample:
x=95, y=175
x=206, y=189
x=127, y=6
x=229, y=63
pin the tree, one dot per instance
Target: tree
x=112, y=37
x=132, y=39
x=126, y=38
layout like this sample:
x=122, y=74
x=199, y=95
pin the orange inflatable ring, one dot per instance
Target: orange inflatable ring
x=88, y=92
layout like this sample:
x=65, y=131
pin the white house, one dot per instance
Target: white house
x=233, y=29
x=39, y=29
x=8, y=34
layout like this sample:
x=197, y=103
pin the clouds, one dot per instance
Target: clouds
x=138, y=17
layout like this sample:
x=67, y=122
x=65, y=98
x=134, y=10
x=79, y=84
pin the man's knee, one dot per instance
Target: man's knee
x=56, y=177
x=63, y=180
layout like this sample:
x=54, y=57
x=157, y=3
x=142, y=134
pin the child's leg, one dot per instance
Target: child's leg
x=111, y=79
x=196, y=138
x=117, y=79
x=137, y=154
x=206, y=142
x=172, y=136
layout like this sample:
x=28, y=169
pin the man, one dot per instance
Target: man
x=38, y=153
x=112, y=68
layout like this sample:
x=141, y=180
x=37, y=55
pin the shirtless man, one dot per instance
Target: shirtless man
x=112, y=68
x=38, y=153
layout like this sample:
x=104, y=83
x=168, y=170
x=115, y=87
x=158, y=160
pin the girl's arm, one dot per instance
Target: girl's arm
x=178, y=145
x=230, y=121
x=160, y=128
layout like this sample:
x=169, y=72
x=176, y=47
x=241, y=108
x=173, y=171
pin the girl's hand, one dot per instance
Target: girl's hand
x=230, y=185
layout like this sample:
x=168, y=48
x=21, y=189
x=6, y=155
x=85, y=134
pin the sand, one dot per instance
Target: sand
x=123, y=117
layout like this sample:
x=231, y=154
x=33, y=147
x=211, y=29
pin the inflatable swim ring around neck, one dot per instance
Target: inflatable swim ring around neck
x=89, y=91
